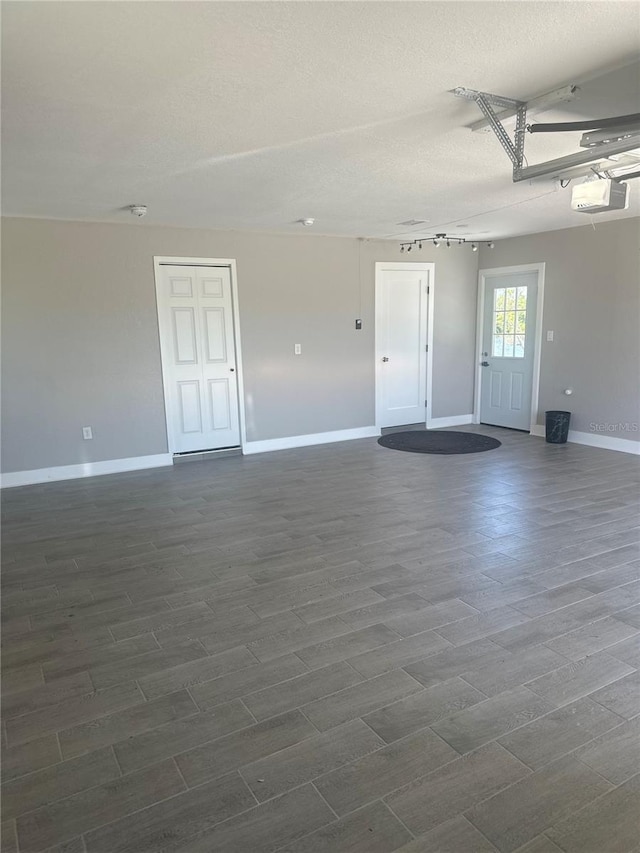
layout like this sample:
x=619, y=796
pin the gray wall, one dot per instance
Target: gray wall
x=80, y=340
x=592, y=304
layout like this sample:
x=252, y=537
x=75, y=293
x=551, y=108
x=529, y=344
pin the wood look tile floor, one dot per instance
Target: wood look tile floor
x=338, y=649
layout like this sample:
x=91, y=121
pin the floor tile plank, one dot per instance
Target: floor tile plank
x=591, y=827
x=89, y=706
x=373, y=829
x=470, y=728
x=112, y=728
x=515, y=816
x=174, y=821
x=456, y=787
x=309, y=759
x=96, y=806
x=355, y=701
x=379, y=773
x=57, y=782
x=559, y=732
x=422, y=709
x=615, y=755
x=302, y=690
x=243, y=747
x=268, y=827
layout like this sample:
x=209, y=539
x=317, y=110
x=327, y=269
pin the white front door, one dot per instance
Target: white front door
x=401, y=344
x=508, y=347
x=195, y=313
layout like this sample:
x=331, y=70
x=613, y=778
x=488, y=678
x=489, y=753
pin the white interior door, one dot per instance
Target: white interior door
x=508, y=346
x=195, y=313
x=401, y=345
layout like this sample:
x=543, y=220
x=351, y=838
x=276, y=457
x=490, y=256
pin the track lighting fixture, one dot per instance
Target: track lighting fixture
x=439, y=239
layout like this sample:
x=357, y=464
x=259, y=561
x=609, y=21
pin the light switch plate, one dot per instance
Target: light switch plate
x=550, y=336
x=297, y=349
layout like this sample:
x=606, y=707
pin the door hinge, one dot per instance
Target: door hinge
x=426, y=349
x=425, y=403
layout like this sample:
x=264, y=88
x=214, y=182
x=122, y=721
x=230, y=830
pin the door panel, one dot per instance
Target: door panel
x=401, y=337
x=184, y=335
x=195, y=312
x=215, y=335
x=508, y=344
x=189, y=401
x=219, y=404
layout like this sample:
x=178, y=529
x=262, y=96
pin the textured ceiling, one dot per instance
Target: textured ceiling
x=253, y=115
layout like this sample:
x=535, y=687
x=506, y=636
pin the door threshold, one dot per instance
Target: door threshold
x=206, y=455
x=512, y=429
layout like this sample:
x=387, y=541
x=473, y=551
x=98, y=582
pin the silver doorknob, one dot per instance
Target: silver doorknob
x=484, y=364
x=384, y=358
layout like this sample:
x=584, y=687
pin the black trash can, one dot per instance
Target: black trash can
x=557, y=427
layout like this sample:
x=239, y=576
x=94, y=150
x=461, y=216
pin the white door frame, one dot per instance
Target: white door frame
x=537, y=351
x=381, y=267
x=230, y=264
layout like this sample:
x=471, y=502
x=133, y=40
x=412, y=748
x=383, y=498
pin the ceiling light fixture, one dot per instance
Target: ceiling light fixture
x=308, y=221
x=138, y=209
x=438, y=240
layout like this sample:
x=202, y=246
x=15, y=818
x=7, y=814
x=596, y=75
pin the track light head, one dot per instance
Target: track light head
x=491, y=245
x=474, y=248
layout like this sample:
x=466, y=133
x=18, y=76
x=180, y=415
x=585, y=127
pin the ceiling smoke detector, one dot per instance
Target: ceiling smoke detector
x=308, y=221
x=138, y=209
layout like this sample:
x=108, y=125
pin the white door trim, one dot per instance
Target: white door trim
x=381, y=267
x=230, y=263
x=535, y=384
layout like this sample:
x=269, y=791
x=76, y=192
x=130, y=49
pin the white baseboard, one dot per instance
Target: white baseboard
x=605, y=442
x=454, y=420
x=86, y=469
x=308, y=440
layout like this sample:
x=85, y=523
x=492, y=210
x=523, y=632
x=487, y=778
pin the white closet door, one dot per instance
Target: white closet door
x=195, y=311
